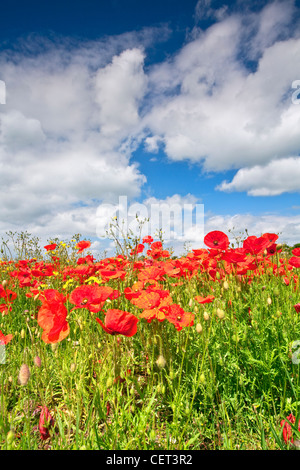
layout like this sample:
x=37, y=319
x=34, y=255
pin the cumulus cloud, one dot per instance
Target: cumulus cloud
x=62, y=134
x=275, y=178
x=223, y=102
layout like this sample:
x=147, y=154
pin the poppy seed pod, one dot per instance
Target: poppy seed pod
x=24, y=374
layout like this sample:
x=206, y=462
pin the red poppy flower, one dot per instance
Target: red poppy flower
x=204, y=300
x=255, y=245
x=4, y=339
x=45, y=423
x=52, y=316
x=216, y=239
x=296, y=251
x=91, y=297
x=271, y=237
x=50, y=247
x=178, y=317
x=287, y=431
x=297, y=308
x=119, y=322
x=148, y=239
x=82, y=245
x=295, y=261
x=138, y=249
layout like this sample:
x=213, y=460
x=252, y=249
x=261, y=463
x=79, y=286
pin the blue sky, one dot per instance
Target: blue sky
x=159, y=101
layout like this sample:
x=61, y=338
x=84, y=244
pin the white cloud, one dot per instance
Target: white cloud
x=275, y=178
x=210, y=107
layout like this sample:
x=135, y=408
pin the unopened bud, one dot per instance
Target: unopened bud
x=269, y=300
x=202, y=379
x=109, y=382
x=72, y=367
x=225, y=285
x=24, y=374
x=199, y=328
x=37, y=361
x=206, y=316
x=22, y=333
x=4, y=283
x=161, y=362
x=10, y=437
x=220, y=313
x=36, y=297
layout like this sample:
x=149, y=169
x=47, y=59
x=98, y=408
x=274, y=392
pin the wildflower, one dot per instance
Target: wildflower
x=91, y=297
x=5, y=339
x=176, y=315
x=24, y=374
x=216, y=239
x=295, y=261
x=148, y=239
x=255, y=245
x=297, y=308
x=52, y=316
x=82, y=245
x=50, y=247
x=204, y=300
x=45, y=423
x=119, y=322
x=287, y=432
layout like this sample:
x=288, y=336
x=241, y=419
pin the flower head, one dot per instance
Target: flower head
x=216, y=239
x=119, y=322
x=45, y=423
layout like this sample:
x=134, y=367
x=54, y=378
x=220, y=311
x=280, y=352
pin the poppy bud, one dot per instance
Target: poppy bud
x=10, y=437
x=24, y=374
x=220, y=313
x=202, y=379
x=37, y=361
x=269, y=300
x=206, y=316
x=225, y=285
x=199, y=328
x=4, y=283
x=161, y=362
x=72, y=367
x=109, y=382
x=22, y=333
